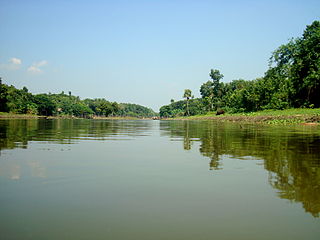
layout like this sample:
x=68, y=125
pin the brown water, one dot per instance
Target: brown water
x=96, y=179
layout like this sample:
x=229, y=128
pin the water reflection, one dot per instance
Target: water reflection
x=17, y=133
x=291, y=155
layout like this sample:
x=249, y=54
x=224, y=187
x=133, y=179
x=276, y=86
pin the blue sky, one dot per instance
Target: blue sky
x=144, y=52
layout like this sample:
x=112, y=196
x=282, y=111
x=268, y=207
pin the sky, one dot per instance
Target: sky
x=142, y=51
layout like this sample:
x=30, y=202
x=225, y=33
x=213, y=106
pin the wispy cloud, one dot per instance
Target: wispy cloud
x=36, y=67
x=12, y=64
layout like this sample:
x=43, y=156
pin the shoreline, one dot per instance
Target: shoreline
x=288, y=116
x=293, y=119
x=301, y=116
x=4, y=115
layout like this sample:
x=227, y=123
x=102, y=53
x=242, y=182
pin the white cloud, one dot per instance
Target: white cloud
x=36, y=67
x=41, y=63
x=15, y=61
x=14, y=64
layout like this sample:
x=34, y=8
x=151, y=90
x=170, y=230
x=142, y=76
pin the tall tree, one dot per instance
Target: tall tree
x=216, y=76
x=187, y=95
x=306, y=66
x=3, y=97
x=210, y=90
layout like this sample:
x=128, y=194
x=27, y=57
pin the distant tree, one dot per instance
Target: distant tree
x=44, y=104
x=114, y=108
x=216, y=76
x=211, y=90
x=187, y=95
x=172, y=100
x=3, y=97
x=25, y=89
x=207, y=93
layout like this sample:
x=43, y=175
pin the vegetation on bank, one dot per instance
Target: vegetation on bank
x=287, y=116
x=292, y=81
x=20, y=101
x=7, y=115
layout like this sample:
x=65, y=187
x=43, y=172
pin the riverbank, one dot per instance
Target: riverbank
x=287, y=116
x=4, y=115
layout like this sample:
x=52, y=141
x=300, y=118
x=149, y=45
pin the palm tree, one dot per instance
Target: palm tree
x=187, y=94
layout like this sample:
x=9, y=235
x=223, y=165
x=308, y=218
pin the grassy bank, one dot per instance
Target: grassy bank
x=287, y=116
x=5, y=115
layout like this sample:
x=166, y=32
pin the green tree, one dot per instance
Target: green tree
x=295, y=67
x=44, y=104
x=3, y=97
x=216, y=76
x=306, y=67
x=187, y=95
x=207, y=94
x=211, y=90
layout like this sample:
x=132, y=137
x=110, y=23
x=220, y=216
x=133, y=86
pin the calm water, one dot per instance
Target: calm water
x=94, y=179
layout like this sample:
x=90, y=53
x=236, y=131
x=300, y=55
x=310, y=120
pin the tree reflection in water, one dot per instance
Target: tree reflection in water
x=291, y=154
x=18, y=132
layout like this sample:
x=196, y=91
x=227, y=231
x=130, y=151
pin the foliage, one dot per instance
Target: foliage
x=178, y=108
x=21, y=101
x=135, y=110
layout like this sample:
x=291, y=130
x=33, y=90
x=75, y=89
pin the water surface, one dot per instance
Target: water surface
x=99, y=179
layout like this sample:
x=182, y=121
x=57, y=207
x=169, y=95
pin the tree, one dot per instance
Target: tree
x=216, y=76
x=44, y=104
x=210, y=90
x=297, y=68
x=206, y=91
x=187, y=95
x=306, y=67
x=115, y=108
x=3, y=97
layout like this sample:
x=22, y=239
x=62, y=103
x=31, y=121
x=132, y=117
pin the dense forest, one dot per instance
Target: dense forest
x=20, y=101
x=292, y=81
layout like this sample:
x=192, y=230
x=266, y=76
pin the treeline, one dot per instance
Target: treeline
x=22, y=102
x=292, y=81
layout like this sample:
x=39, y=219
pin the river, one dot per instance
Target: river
x=144, y=179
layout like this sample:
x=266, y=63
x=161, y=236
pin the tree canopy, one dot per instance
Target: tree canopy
x=292, y=80
x=21, y=101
